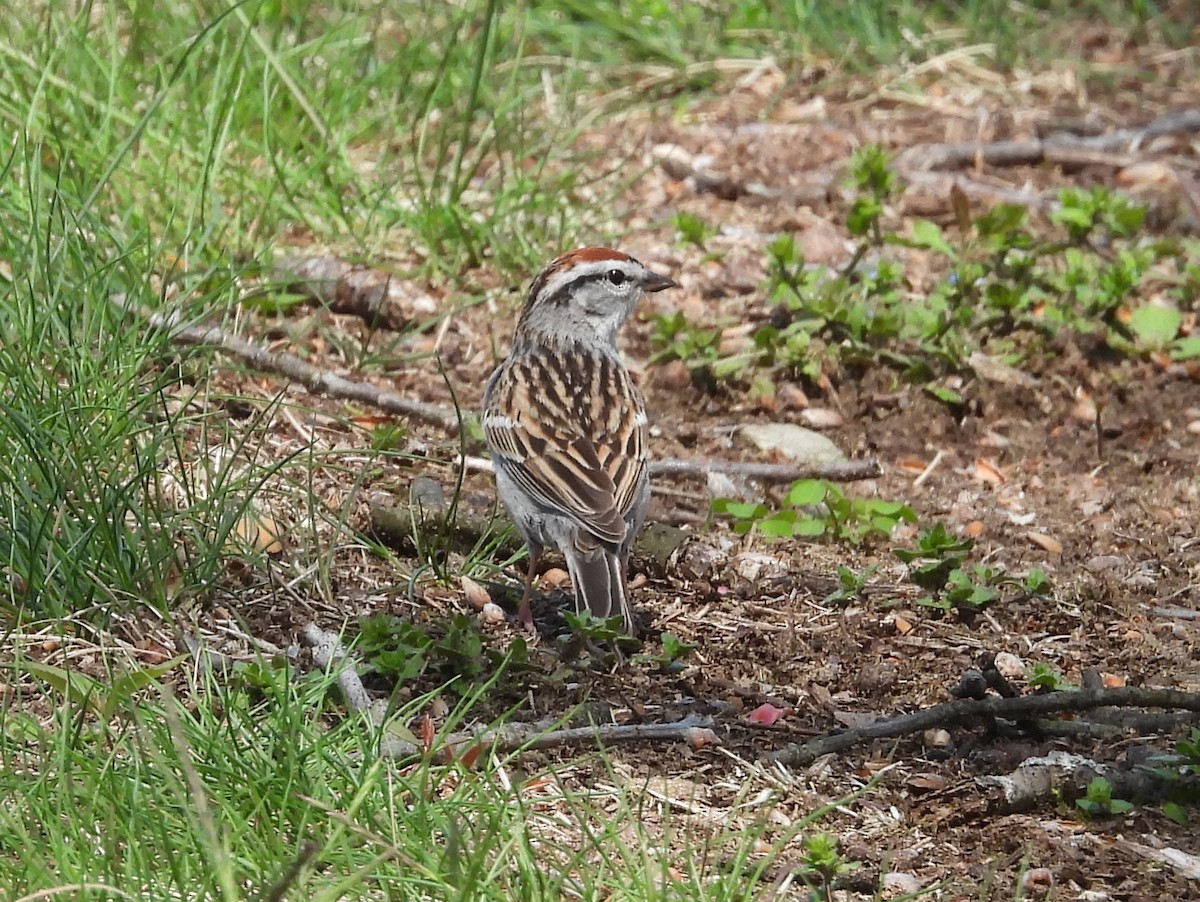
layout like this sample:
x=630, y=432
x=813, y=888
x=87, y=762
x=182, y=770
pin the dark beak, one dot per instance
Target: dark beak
x=652, y=281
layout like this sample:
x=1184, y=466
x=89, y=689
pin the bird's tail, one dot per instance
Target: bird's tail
x=598, y=577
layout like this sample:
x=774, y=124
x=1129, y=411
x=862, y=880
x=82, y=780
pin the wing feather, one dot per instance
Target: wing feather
x=561, y=445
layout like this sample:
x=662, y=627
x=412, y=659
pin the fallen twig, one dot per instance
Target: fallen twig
x=843, y=471
x=1063, y=776
x=694, y=729
x=1056, y=148
x=323, y=382
x=315, y=380
x=328, y=652
x=940, y=184
x=966, y=710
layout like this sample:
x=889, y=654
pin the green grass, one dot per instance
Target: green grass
x=160, y=154
x=253, y=790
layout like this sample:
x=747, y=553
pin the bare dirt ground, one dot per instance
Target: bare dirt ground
x=1108, y=508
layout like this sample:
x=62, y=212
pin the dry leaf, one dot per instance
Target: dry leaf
x=700, y=737
x=477, y=596
x=855, y=719
x=927, y=782
x=821, y=418
x=766, y=715
x=372, y=422
x=1047, y=543
x=428, y=733
x=1085, y=407
x=1148, y=173
x=556, y=578
x=259, y=532
x=962, y=209
x=986, y=471
x=938, y=738
x=470, y=757
x=1009, y=665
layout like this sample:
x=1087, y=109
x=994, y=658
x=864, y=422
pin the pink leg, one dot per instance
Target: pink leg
x=524, y=612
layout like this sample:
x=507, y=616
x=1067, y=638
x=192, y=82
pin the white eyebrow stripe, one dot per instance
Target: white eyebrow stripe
x=570, y=273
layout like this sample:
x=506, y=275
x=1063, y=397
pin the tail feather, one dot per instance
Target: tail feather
x=598, y=577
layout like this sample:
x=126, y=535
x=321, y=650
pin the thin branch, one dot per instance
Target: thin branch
x=328, y=652
x=315, y=380
x=842, y=471
x=967, y=710
x=322, y=382
x=1062, y=149
x=694, y=729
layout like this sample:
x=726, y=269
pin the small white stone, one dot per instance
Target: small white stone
x=493, y=613
x=793, y=441
x=1009, y=665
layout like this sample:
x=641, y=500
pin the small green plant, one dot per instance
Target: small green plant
x=1190, y=750
x=401, y=652
x=674, y=651
x=938, y=564
x=875, y=182
x=1037, y=583
x=851, y=585
x=1044, y=678
x=822, y=863
x=692, y=229
x=1007, y=290
x=815, y=508
x=1085, y=213
x=393, y=648
x=1176, y=812
x=1181, y=774
x=1099, y=801
x=677, y=339
x=1155, y=326
x=586, y=628
x=937, y=554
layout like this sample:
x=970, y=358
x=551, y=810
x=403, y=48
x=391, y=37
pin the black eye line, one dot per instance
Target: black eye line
x=563, y=296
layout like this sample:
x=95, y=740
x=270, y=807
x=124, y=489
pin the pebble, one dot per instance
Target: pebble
x=794, y=442
x=477, y=596
x=493, y=613
x=556, y=578
x=1103, y=562
x=898, y=883
x=821, y=418
x=754, y=566
x=1009, y=665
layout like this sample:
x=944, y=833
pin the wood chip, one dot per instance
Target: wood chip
x=1045, y=542
x=556, y=578
x=986, y=471
x=476, y=595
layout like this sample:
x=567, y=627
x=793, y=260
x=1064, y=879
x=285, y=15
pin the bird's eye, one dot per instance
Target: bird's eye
x=616, y=277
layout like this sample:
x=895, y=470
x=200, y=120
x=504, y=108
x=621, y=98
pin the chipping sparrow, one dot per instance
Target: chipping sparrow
x=566, y=425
